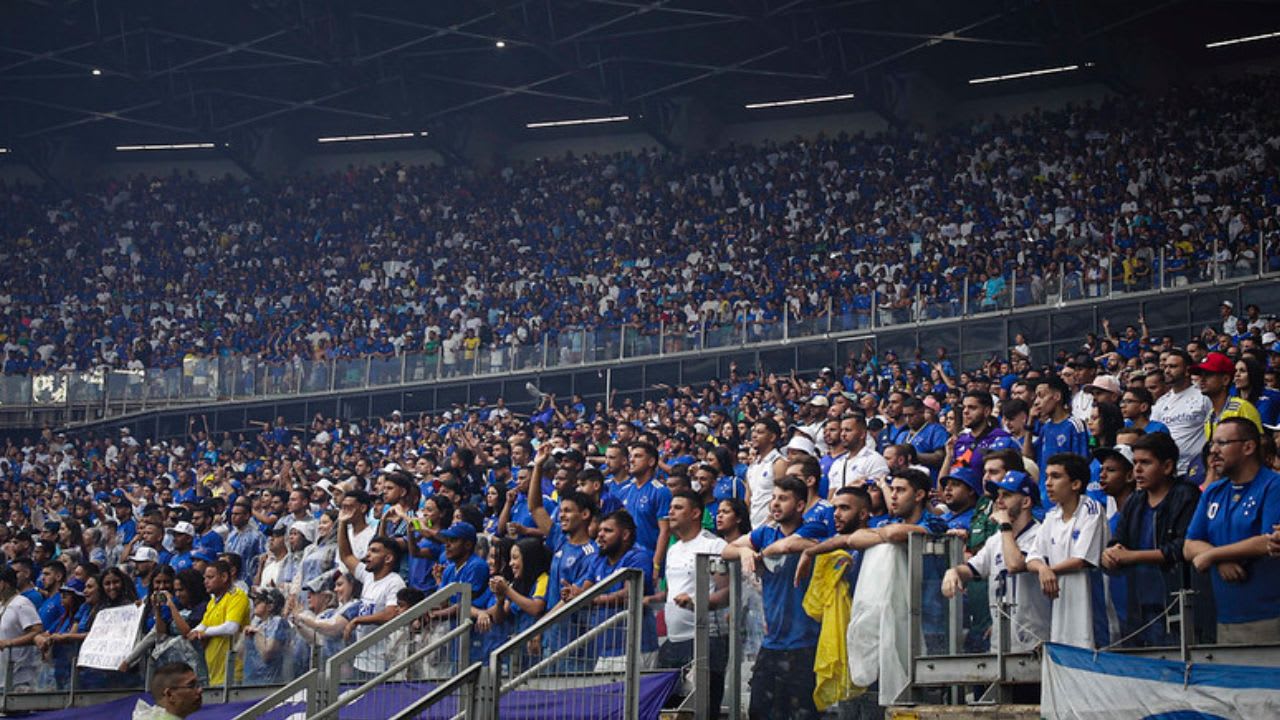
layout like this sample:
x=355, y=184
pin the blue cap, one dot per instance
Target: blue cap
x=967, y=475
x=75, y=586
x=237, y=485
x=1016, y=482
x=459, y=531
x=204, y=554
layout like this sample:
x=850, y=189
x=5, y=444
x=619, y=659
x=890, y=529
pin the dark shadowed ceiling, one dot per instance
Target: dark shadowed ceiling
x=221, y=71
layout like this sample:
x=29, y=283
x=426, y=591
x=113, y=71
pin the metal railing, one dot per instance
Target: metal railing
x=569, y=652
x=407, y=652
x=210, y=379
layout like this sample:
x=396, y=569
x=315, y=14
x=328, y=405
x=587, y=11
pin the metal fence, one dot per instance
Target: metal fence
x=580, y=660
x=945, y=666
x=388, y=670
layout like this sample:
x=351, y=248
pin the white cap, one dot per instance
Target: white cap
x=143, y=553
x=1268, y=338
x=1229, y=304
x=820, y=401
x=183, y=528
x=802, y=443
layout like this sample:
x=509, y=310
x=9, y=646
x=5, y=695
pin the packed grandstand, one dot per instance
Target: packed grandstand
x=1094, y=484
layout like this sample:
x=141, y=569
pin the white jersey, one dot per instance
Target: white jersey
x=374, y=596
x=760, y=482
x=1083, y=536
x=857, y=468
x=1030, y=622
x=681, y=564
x=1081, y=406
x=1185, y=414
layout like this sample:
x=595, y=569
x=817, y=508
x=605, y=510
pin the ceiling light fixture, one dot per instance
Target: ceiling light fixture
x=173, y=146
x=96, y=72
x=360, y=138
x=583, y=121
x=1237, y=41
x=799, y=101
x=500, y=44
x=3, y=150
x=1028, y=73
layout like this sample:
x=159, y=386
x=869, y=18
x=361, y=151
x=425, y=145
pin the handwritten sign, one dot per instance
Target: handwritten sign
x=112, y=637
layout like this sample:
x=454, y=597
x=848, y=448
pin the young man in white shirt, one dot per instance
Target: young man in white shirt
x=1002, y=560
x=692, y=540
x=1068, y=553
x=377, y=573
x=861, y=465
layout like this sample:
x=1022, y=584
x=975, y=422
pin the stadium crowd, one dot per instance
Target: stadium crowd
x=449, y=262
x=1087, y=491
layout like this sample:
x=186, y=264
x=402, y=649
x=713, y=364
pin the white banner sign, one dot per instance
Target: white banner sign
x=112, y=637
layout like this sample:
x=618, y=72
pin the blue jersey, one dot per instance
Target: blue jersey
x=647, y=504
x=570, y=563
x=180, y=561
x=613, y=643
x=1067, y=436
x=824, y=513
x=210, y=541
x=420, y=568
x=473, y=571
x=788, y=626
x=958, y=521
x=927, y=439
x=1230, y=513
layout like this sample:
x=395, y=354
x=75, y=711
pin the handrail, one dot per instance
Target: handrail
x=440, y=597
x=633, y=579
x=567, y=608
x=470, y=675
x=280, y=696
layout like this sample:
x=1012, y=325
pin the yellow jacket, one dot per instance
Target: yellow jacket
x=829, y=601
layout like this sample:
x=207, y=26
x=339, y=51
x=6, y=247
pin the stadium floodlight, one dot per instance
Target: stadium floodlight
x=500, y=44
x=95, y=72
x=580, y=121
x=361, y=138
x=1028, y=73
x=1237, y=41
x=171, y=146
x=798, y=101
x=3, y=150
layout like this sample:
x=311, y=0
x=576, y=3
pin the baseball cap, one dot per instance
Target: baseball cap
x=967, y=475
x=1104, y=383
x=183, y=528
x=205, y=554
x=1214, y=363
x=803, y=444
x=459, y=531
x=1124, y=452
x=75, y=586
x=820, y=401
x=1016, y=482
x=1228, y=304
x=144, y=554
x=1268, y=338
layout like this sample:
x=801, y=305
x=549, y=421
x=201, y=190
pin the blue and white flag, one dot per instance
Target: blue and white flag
x=1080, y=683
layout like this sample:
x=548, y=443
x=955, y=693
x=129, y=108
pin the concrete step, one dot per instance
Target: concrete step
x=961, y=712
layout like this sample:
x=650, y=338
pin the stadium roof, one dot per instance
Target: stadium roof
x=186, y=71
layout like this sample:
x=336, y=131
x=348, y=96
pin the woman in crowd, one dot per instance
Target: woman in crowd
x=266, y=640
x=520, y=593
x=424, y=549
x=327, y=615
x=170, y=616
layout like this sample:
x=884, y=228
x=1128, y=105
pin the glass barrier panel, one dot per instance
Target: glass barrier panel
x=47, y=389
x=350, y=374
x=805, y=325
x=421, y=366
x=721, y=333
x=316, y=376
x=763, y=329
x=15, y=390
x=640, y=341
x=386, y=370
x=85, y=386
x=604, y=343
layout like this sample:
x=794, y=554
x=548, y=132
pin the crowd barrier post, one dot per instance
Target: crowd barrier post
x=964, y=297
x=875, y=309
x=1160, y=275
x=733, y=671
x=1262, y=253
x=830, y=305
x=1214, y=265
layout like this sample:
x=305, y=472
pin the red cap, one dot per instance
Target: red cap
x=1217, y=363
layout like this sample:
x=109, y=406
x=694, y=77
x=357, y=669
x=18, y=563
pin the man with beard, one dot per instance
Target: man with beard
x=616, y=540
x=981, y=434
x=380, y=581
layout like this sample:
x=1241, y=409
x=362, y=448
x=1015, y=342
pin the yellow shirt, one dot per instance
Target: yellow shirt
x=1235, y=407
x=828, y=600
x=233, y=606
